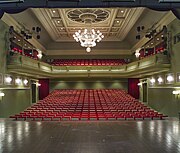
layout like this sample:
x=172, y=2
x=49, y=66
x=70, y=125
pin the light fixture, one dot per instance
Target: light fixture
x=139, y=84
x=137, y=53
x=152, y=80
x=2, y=94
x=25, y=82
x=160, y=80
x=170, y=78
x=39, y=55
x=89, y=36
x=8, y=79
x=176, y=92
x=37, y=84
x=18, y=81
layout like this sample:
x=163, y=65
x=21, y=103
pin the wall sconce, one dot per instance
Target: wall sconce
x=160, y=80
x=18, y=81
x=38, y=84
x=8, y=80
x=152, y=81
x=137, y=53
x=1, y=95
x=170, y=78
x=176, y=92
x=139, y=84
x=25, y=82
x=39, y=55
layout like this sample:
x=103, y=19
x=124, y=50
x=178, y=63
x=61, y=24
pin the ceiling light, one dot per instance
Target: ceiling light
x=58, y=21
x=117, y=21
x=162, y=35
x=122, y=11
x=151, y=43
x=19, y=40
x=157, y=38
x=54, y=11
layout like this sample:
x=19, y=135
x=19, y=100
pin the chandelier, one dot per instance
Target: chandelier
x=88, y=37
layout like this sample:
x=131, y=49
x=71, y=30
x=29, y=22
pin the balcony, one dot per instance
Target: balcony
x=23, y=65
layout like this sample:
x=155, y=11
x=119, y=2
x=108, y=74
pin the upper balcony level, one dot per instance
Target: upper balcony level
x=24, y=65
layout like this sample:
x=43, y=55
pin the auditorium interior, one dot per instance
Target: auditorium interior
x=83, y=76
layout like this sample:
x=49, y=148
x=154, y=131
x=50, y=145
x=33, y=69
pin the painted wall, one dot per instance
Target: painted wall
x=15, y=100
x=164, y=101
x=160, y=97
x=89, y=84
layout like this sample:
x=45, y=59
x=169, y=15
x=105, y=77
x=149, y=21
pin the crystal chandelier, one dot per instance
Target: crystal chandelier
x=89, y=36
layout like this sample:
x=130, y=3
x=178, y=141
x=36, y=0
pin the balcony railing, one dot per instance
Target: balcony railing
x=154, y=64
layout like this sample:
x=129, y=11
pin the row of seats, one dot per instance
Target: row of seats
x=110, y=104
x=87, y=62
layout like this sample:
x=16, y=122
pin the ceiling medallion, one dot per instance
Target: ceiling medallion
x=89, y=36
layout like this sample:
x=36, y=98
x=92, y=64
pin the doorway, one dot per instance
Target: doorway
x=144, y=92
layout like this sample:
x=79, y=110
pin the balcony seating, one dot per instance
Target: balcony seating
x=75, y=105
x=87, y=62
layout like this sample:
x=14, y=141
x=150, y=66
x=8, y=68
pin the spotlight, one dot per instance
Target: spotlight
x=138, y=29
x=138, y=37
x=33, y=28
x=11, y=29
x=38, y=37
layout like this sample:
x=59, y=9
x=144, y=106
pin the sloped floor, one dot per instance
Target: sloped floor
x=154, y=136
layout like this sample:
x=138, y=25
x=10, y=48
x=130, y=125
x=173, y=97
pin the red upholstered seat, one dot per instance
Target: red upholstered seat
x=107, y=104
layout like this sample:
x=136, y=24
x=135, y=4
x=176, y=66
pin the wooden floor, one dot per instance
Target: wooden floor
x=159, y=136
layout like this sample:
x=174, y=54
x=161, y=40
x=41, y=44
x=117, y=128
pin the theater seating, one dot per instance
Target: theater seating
x=86, y=105
x=87, y=62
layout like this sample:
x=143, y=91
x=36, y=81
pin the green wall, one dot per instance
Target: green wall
x=164, y=101
x=15, y=100
x=88, y=84
x=160, y=97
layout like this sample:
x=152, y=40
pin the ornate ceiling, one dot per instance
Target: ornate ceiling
x=114, y=23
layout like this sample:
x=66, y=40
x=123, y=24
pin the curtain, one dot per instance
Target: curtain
x=133, y=88
x=44, y=88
